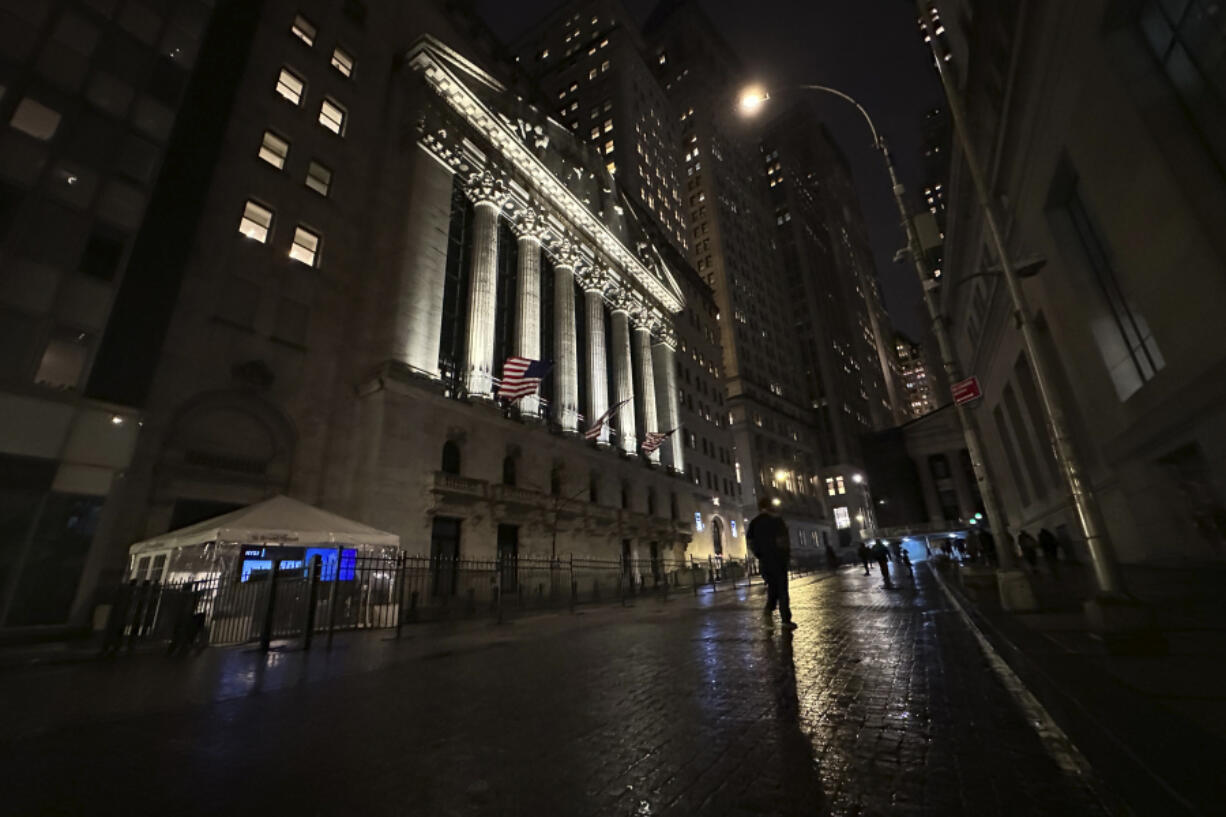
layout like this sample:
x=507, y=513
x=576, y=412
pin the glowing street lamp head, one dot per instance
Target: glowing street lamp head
x=776, y=502
x=780, y=474
x=857, y=478
x=752, y=99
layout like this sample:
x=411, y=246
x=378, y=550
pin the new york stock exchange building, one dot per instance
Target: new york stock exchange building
x=475, y=229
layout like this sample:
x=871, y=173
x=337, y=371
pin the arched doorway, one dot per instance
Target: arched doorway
x=717, y=535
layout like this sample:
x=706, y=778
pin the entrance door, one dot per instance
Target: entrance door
x=508, y=557
x=655, y=563
x=717, y=533
x=444, y=554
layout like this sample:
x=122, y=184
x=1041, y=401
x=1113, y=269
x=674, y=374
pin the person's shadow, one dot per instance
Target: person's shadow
x=798, y=770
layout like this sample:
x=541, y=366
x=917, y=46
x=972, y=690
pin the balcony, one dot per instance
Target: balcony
x=516, y=496
x=455, y=487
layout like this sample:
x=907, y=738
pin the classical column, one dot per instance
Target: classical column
x=488, y=195
x=565, y=346
x=527, y=340
x=416, y=302
x=665, y=353
x=597, y=375
x=645, y=378
x=623, y=378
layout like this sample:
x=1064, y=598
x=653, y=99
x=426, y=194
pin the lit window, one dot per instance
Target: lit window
x=574, y=86
x=591, y=74
x=305, y=248
x=319, y=178
x=595, y=133
x=303, y=30
x=842, y=519
x=838, y=481
x=332, y=116
x=830, y=486
x=290, y=86
x=256, y=222
x=274, y=150
x=612, y=167
x=604, y=42
x=342, y=61
x=35, y=119
x=663, y=60
x=604, y=66
x=608, y=146
x=543, y=55
x=608, y=125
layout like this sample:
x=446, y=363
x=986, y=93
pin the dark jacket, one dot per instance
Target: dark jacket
x=768, y=539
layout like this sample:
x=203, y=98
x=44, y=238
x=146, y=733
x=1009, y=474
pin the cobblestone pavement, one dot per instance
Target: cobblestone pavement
x=879, y=704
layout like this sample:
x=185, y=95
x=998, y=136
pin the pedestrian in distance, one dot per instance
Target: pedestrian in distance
x=768, y=541
x=974, y=545
x=1050, y=547
x=882, y=554
x=1030, y=549
x=863, y=552
x=906, y=562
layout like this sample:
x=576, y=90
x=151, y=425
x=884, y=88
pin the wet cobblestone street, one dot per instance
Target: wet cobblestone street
x=880, y=703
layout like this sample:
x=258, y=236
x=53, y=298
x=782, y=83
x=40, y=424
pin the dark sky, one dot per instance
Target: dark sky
x=869, y=49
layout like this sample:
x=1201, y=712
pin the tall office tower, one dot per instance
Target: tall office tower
x=734, y=248
x=591, y=70
x=90, y=95
x=916, y=379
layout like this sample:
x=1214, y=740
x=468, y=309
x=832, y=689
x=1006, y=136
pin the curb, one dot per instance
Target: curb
x=1059, y=746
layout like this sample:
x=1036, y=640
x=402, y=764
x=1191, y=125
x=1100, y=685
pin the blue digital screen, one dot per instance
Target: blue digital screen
x=257, y=562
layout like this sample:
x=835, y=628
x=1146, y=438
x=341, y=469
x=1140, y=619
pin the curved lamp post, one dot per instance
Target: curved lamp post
x=1015, y=589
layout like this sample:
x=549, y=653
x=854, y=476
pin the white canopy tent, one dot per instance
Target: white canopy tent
x=277, y=522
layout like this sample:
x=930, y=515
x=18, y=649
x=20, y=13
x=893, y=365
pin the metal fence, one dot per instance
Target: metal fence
x=378, y=592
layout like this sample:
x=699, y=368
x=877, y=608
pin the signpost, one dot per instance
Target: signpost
x=966, y=391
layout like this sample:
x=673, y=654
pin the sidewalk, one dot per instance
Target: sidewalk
x=1153, y=727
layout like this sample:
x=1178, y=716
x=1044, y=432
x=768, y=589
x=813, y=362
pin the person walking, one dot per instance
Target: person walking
x=906, y=562
x=882, y=554
x=1030, y=549
x=864, y=554
x=768, y=541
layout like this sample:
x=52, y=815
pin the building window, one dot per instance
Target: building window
x=332, y=116
x=342, y=61
x=842, y=519
x=64, y=359
x=256, y=222
x=604, y=66
x=305, y=248
x=1124, y=340
x=1187, y=38
x=35, y=119
x=608, y=146
x=319, y=178
x=274, y=150
x=451, y=458
x=303, y=30
x=291, y=86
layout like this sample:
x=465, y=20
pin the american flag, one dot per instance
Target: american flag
x=593, y=433
x=521, y=377
x=653, y=440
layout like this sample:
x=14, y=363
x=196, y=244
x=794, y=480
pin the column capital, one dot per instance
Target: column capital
x=594, y=278
x=528, y=223
x=666, y=336
x=484, y=187
x=566, y=253
x=620, y=300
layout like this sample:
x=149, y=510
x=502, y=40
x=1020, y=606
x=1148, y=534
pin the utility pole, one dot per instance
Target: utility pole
x=1106, y=571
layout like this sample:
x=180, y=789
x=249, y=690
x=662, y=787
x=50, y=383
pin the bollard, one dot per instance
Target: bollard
x=336, y=580
x=266, y=632
x=400, y=569
x=312, y=599
x=413, y=606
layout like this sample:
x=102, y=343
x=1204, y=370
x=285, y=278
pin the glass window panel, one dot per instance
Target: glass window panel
x=319, y=178
x=274, y=150
x=305, y=248
x=35, y=119
x=332, y=116
x=63, y=359
x=303, y=30
x=256, y=222
x=290, y=86
x=342, y=61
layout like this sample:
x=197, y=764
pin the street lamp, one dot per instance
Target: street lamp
x=1106, y=571
x=1015, y=590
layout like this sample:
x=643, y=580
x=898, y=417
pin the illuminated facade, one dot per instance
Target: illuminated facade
x=919, y=397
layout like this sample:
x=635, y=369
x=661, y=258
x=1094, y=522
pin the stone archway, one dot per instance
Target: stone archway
x=717, y=535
